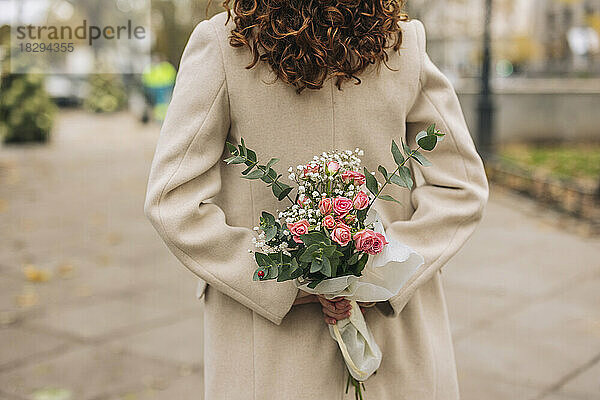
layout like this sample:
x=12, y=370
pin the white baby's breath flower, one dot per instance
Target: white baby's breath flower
x=255, y=228
x=290, y=169
x=361, y=153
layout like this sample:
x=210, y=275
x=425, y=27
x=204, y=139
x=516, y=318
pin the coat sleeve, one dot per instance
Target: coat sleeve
x=450, y=195
x=185, y=175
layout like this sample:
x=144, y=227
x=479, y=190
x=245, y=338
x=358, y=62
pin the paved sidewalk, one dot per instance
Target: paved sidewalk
x=92, y=302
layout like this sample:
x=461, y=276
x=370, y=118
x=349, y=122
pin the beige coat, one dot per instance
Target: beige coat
x=257, y=346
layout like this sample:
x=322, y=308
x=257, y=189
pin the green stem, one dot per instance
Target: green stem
x=358, y=387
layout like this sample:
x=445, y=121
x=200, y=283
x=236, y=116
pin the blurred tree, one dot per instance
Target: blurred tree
x=107, y=93
x=172, y=23
x=26, y=110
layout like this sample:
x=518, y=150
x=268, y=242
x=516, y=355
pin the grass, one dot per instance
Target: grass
x=580, y=162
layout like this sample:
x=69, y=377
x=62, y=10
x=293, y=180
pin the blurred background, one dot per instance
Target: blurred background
x=93, y=306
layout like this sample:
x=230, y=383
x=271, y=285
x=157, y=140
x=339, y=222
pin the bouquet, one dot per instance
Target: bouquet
x=330, y=240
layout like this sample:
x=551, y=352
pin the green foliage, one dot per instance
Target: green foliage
x=26, y=111
x=107, y=93
x=568, y=161
x=242, y=155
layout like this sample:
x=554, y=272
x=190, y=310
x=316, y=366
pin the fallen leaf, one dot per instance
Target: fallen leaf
x=35, y=274
x=66, y=271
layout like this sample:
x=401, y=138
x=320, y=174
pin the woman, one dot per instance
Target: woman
x=296, y=78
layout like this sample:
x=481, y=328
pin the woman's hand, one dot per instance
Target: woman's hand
x=335, y=309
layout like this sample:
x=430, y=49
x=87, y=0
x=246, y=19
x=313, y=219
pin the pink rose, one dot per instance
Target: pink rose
x=325, y=206
x=311, y=168
x=342, y=205
x=329, y=222
x=333, y=166
x=361, y=200
x=369, y=242
x=378, y=243
x=363, y=240
x=341, y=234
x=357, y=177
x=298, y=228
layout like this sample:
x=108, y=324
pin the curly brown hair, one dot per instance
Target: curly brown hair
x=305, y=42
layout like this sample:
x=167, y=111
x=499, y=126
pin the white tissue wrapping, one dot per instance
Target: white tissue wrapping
x=382, y=278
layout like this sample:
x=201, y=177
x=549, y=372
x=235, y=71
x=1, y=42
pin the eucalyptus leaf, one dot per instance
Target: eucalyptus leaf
x=354, y=259
x=420, y=135
x=262, y=259
x=326, y=268
x=272, y=162
x=247, y=170
x=231, y=147
x=403, y=178
x=252, y=156
x=270, y=233
x=315, y=237
x=421, y=159
x=372, y=184
x=398, y=157
x=268, y=217
x=383, y=172
x=389, y=198
x=256, y=174
x=308, y=254
x=428, y=142
x=315, y=266
x=285, y=273
x=406, y=149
